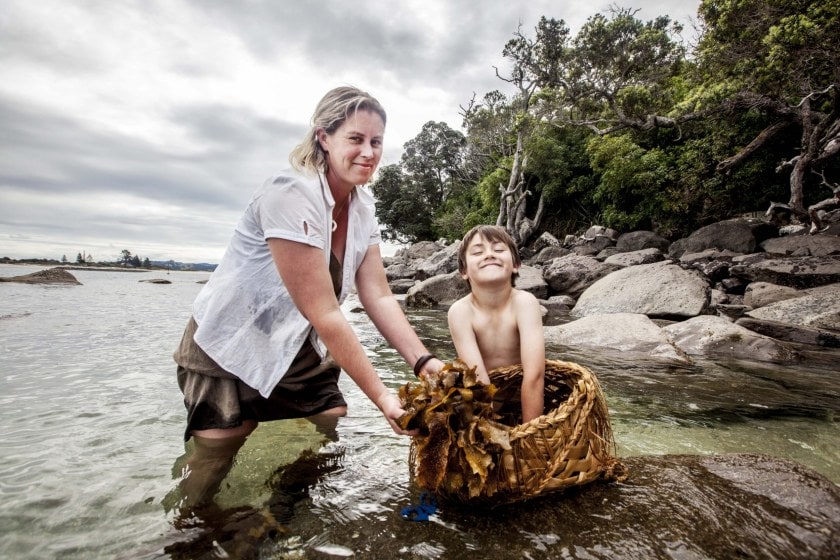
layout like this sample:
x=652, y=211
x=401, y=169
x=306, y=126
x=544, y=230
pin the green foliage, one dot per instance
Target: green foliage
x=778, y=47
x=632, y=182
x=618, y=126
x=410, y=195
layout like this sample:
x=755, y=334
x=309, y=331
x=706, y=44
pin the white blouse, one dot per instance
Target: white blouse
x=246, y=319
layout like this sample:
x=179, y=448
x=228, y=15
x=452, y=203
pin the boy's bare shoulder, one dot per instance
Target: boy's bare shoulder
x=460, y=306
x=521, y=296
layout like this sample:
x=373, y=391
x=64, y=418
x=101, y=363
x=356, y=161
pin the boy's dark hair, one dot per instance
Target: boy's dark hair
x=493, y=234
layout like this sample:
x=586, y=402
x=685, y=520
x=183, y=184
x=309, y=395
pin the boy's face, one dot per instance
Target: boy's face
x=488, y=261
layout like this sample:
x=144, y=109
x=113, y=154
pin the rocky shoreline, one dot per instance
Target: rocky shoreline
x=743, y=289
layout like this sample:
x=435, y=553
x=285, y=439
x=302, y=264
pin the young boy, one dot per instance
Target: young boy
x=497, y=325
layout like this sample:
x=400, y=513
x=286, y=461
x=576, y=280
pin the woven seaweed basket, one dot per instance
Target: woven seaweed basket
x=570, y=445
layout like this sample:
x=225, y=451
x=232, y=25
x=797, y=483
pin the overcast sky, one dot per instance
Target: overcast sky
x=146, y=125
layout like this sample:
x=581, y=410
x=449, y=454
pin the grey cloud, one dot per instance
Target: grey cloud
x=41, y=151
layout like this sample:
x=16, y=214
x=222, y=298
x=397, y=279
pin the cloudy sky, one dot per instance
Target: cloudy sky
x=145, y=125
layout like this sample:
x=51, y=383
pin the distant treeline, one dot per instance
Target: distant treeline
x=146, y=264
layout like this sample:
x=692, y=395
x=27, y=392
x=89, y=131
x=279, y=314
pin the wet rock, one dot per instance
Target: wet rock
x=438, y=291
x=48, y=276
x=796, y=272
x=402, y=285
x=818, y=308
x=156, y=281
x=791, y=333
x=623, y=332
x=659, y=289
x=557, y=306
x=718, y=337
x=672, y=506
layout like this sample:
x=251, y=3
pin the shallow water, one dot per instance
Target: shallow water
x=92, y=442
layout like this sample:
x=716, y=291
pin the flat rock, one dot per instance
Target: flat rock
x=714, y=336
x=48, y=276
x=624, y=332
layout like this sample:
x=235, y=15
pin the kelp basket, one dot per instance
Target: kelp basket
x=473, y=448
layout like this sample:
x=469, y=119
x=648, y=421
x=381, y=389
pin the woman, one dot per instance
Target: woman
x=251, y=352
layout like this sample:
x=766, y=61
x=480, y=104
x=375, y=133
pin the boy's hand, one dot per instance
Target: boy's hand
x=432, y=367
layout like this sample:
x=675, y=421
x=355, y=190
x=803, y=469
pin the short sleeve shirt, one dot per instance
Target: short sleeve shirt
x=247, y=322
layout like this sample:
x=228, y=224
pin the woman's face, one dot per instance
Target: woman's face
x=353, y=150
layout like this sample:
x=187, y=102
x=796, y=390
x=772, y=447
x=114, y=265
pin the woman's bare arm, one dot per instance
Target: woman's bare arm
x=306, y=276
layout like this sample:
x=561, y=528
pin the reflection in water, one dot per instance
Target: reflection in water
x=208, y=529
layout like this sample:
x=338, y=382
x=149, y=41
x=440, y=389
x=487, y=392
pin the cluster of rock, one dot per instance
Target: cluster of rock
x=742, y=288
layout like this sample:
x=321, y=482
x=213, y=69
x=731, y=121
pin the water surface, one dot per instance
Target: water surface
x=92, y=441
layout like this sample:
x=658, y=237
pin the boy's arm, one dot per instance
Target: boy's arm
x=459, y=318
x=532, y=350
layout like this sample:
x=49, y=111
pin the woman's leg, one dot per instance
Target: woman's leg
x=326, y=421
x=211, y=460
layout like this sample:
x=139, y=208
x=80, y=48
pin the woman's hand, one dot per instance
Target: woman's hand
x=392, y=408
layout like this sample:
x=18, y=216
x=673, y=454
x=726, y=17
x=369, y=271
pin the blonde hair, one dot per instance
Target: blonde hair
x=332, y=111
x=493, y=234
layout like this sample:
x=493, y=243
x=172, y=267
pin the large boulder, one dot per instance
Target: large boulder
x=588, y=246
x=717, y=337
x=438, y=291
x=441, y=262
x=572, y=274
x=620, y=332
x=544, y=241
x=740, y=235
x=657, y=290
x=400, y=270
x=640, y=240
x=818, y=308
x=420, y=250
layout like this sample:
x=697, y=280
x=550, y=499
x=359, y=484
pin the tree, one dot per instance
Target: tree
x=64, y=258
x=80, y=259
x=125, y=257
x=410, y=194
x=616, y=75
x=778, y=58
x=146, y=263
x=536, y=63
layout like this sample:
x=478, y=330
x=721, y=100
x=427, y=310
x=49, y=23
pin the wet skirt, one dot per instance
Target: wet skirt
x=215, y=398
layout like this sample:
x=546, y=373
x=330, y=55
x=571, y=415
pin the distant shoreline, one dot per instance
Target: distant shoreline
x=104, y=267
